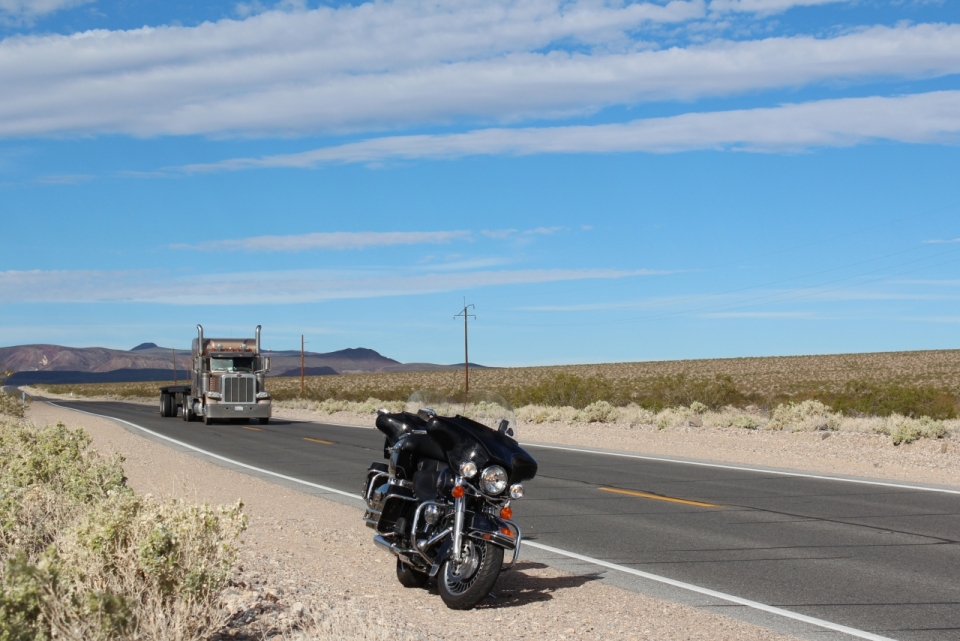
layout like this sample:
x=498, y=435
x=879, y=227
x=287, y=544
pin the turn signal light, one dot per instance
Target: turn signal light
x=458, y=492
x=506, y=513
x=506, y=531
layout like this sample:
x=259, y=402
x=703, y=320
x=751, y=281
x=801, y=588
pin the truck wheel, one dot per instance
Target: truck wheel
x=464, y=585
x=188, y=414
x=165, y=405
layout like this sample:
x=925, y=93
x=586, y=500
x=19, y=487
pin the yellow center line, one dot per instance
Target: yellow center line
x=317, y=440
x=247, y=427
x=646, y=495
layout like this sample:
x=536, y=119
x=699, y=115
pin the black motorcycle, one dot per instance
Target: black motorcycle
x=442, y=503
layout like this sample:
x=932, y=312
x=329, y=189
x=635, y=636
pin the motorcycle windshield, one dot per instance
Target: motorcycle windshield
x=480, y=427
x=484, y=407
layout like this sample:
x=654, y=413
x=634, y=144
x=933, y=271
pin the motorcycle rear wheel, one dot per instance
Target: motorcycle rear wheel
x=410, y=578
x=462, y=586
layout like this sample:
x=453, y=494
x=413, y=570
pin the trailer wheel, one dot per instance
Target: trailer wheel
x=165, y=405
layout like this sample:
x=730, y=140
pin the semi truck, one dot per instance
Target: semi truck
x=228, y=382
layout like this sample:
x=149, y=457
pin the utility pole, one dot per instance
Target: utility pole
x=174, y=350
x=466, y=352
x=301, y=366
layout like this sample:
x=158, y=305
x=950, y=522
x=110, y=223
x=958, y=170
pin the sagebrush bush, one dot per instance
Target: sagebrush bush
x=597, y=412
x=807, y=416
x=905, y=429
x=83, y=557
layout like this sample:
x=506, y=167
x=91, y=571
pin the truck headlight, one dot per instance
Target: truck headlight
x=493, y=480
x=263, y=395
x=215, y=395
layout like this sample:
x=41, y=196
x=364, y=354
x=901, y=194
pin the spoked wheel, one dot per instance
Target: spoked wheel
x=463, y=585
x=410, y=578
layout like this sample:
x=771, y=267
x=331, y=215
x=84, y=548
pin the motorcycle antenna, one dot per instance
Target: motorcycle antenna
x=466, y=352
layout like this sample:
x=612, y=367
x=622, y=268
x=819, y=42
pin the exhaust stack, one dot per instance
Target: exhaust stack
x=199, y=339
x=258, y=339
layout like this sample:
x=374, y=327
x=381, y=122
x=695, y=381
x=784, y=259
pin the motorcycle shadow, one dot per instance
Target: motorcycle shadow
x=522, y=586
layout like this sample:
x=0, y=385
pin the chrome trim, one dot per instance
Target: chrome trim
x=516, y=550
x=459, y=507
x=395, y=481
x=372, y=480
x=426, y=544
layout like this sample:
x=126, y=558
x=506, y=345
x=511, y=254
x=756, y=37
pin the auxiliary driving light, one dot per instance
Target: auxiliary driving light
x=468, y=470
x=516, y=491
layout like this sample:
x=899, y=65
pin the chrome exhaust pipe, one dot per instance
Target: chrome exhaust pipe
x=199, y=338
x=258, y=339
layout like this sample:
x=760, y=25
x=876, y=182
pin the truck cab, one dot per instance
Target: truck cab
x=229, y=382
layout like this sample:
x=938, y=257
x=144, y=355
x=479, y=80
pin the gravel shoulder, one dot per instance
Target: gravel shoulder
x=310, y=563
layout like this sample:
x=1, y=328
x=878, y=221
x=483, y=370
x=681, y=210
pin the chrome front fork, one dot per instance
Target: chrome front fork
x=459, y=508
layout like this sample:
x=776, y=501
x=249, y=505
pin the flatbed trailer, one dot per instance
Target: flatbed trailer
x=173, y=399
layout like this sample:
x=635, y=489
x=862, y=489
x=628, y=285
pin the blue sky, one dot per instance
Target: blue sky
x=603, y=180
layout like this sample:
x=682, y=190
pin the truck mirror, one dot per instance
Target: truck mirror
x=266, y=364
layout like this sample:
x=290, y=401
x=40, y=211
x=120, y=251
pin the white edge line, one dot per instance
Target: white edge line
x=573, y=555
x=216, y=456
x=746, y=469
x=713, y=593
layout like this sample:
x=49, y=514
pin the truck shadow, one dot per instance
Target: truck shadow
x=526, y=584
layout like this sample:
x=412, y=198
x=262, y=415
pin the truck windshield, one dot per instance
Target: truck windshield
x=232, y=364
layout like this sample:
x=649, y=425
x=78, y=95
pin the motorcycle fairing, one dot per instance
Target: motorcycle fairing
x=466, y=440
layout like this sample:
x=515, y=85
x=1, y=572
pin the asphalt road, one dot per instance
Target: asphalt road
x=880, y=559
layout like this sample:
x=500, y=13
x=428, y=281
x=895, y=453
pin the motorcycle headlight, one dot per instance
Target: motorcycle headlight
x=516, y=491
x=468, y=470
x=493, y=480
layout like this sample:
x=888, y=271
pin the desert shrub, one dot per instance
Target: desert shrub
x=562, y=390
x=11, y=405
x=867, y=398
x=905, y=429
x=597, y=412
x=698, y=408
x=83, y=557
x=806, y=416
x=736, y=419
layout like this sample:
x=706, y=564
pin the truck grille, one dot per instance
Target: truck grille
x=239, y=389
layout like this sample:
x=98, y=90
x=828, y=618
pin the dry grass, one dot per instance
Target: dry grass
x=908, y=383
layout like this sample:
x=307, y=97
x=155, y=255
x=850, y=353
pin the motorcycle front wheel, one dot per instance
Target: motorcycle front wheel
x=463, y=585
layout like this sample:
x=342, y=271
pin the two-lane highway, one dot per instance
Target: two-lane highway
x=874, y=557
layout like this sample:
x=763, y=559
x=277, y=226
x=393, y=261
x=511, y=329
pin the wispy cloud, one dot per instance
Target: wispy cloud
x=940, y=242
x=920, y=118
x=330, y=240
x=399, y=64
x=787, y=315
x=764, y=7
x=501, y=234
x=272, y=287
x=26, y=11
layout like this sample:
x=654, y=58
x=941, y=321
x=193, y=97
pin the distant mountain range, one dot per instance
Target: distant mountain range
x=150, y=362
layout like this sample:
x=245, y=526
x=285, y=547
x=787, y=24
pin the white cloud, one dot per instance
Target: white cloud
x=397, y=64
x=920, y=118
x=273, y=288
x=764, y=7
x=940, y=242
x=20, y=11
x=329, y=240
